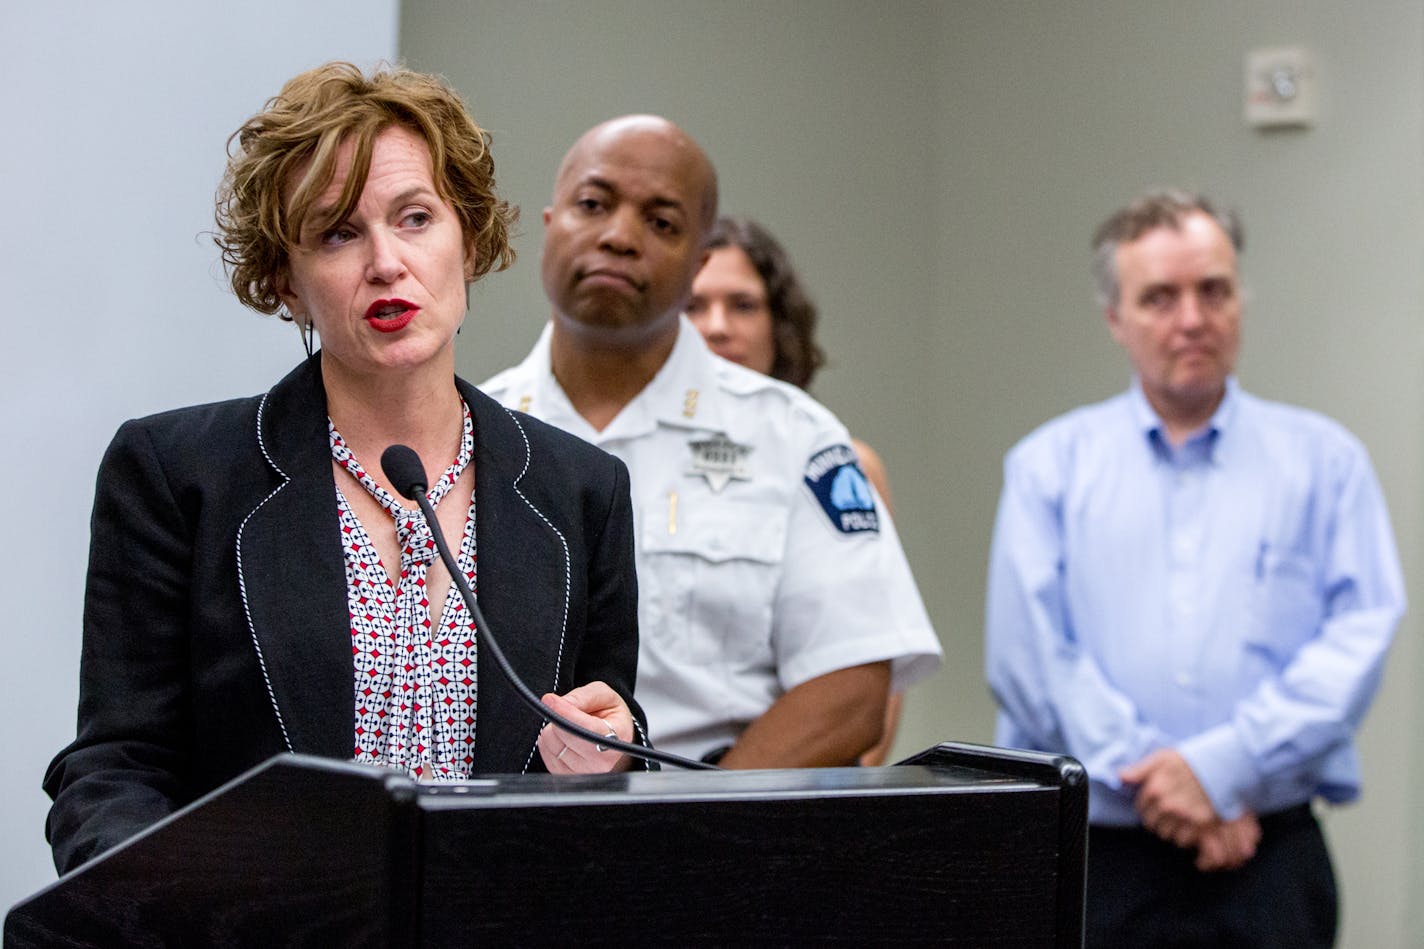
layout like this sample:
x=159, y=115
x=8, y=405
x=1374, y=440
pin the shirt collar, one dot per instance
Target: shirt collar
x=1206, y=443
x=682, y=394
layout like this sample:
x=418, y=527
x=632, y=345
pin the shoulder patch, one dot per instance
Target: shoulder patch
x=834, y=477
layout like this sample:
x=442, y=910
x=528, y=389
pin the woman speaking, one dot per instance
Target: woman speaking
x=257, y=586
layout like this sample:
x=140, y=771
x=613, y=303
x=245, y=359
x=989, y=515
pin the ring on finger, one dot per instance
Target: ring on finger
x=611, y=733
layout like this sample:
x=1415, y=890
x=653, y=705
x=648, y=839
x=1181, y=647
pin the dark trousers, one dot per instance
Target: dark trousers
x=1143, y=891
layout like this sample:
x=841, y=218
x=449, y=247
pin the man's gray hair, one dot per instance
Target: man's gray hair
x=1165, y=207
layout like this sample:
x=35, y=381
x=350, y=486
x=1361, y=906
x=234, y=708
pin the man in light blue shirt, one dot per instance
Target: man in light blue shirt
x=1192, y=591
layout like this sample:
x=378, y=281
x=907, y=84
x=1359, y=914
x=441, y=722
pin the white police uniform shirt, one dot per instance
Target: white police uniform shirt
x=764, y=559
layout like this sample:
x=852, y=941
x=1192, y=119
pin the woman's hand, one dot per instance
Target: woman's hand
x=599, y=709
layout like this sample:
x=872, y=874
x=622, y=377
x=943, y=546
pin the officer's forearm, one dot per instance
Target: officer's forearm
x=830, y=720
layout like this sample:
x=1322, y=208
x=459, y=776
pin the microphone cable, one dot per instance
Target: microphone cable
x=405, y=471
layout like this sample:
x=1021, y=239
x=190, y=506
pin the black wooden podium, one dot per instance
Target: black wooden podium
x=959, y=845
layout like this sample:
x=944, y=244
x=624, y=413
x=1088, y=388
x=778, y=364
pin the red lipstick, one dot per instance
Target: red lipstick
x=390, y=316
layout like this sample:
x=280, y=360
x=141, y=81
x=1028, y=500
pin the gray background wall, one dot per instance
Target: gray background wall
x=936, y=170
x=117, y=116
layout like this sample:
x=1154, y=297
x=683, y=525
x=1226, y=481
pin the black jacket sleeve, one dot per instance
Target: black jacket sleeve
x=125, y=768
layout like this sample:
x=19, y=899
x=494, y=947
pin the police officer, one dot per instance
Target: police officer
x=776, y=606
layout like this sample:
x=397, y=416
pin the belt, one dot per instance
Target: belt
x=1273, y=823
x=1284, y=820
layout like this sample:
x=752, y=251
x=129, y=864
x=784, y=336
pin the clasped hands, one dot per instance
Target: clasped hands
x=1174, y=806
x=600, y=710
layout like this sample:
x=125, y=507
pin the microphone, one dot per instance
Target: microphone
x=406, y=473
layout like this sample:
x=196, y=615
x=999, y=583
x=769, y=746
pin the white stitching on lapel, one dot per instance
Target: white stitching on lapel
x=568, y=580
x=242, y=580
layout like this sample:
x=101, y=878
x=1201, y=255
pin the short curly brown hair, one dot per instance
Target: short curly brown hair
x=283, y=158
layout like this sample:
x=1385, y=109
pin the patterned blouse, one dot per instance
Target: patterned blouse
x=415, y=679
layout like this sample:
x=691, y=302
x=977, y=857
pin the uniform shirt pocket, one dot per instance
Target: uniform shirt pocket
x=708, y=577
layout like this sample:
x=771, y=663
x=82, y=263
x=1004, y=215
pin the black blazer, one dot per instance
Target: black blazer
x=216, y=631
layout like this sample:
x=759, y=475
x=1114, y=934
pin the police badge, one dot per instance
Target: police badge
x=719, y=460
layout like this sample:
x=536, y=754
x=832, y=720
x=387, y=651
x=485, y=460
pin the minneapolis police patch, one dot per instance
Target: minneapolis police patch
x=835, y=478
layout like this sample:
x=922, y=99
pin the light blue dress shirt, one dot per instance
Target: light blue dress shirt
x=1233, y=598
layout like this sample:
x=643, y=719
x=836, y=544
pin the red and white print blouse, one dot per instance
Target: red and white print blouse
x=415, y=680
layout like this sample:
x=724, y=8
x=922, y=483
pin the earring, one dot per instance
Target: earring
x=305, y=328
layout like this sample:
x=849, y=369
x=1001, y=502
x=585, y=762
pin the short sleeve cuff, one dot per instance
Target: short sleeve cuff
x=913, y=668
x=908, y=664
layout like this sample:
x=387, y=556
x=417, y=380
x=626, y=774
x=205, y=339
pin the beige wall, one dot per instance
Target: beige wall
x=936, y=170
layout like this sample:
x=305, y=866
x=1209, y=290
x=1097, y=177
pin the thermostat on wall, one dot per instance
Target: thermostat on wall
x=1280, y=87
